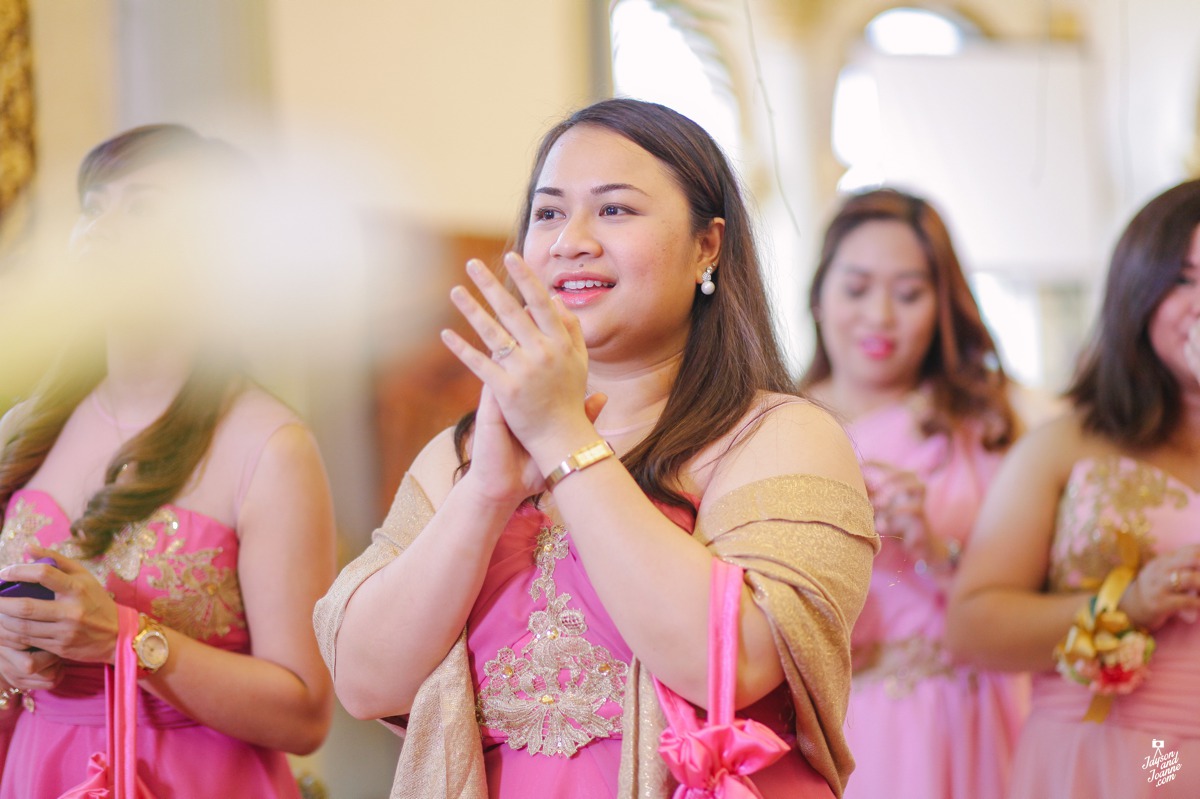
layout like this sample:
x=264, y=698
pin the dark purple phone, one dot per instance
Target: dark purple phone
x=10, y=589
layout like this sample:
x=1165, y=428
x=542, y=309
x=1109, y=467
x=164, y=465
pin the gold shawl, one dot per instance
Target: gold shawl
x=806, y=544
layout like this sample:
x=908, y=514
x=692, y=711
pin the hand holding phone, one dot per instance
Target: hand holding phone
x=11, y=589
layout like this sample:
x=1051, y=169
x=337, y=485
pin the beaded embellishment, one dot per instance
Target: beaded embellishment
x=199, y=598
x=21, y=526
x=547, y=697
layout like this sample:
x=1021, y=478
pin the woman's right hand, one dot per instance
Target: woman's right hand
x=30, y=670
x=502, y=470
x=1166, y=586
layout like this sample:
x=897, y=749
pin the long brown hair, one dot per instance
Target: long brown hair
x=1122, y=388
x=961, y=370
x=731, y=354
x=156, y=464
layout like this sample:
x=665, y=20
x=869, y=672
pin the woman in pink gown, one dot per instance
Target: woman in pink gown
x=902, y=353
x=1093, y=528
x=527, y=586
x=163, y=483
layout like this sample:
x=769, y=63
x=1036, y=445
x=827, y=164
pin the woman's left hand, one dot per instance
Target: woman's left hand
x=898, y=497
x=79, y=624
x=538, y=368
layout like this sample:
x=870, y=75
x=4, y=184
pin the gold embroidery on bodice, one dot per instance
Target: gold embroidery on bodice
x=128, y=550
x=1109, y=500
x=21, y=527
x=528, y=697
x=199, y=599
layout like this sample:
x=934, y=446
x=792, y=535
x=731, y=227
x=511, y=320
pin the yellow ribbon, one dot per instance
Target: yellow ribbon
x=1098, y=626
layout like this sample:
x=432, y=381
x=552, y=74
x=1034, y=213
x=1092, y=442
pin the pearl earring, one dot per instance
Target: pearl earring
x=707, y=286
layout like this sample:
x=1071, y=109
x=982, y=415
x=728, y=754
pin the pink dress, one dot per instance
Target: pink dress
x=919, y=727
x=1149, y=745
x=179, y=566
x=549, y=667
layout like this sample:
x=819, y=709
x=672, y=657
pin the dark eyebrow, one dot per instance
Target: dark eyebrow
x=607, y=187
x=598, y=190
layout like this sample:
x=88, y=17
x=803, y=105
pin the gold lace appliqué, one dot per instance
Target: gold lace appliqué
x=21, y=526
x=199, y=599
x=1109, y=501
x=546, y=698
x=901, y=664
x=129, y=549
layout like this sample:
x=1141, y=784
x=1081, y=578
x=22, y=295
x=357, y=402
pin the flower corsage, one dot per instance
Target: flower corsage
x=1104, y=650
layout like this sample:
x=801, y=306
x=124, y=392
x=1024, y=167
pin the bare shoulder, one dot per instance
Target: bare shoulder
x=436, y=466
x=1010, y=543
x=1052, y=448
x=782, y=435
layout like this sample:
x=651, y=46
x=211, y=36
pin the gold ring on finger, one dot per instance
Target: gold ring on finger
x=505, y=351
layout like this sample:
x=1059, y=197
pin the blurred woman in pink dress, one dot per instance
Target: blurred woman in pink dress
x=159, y=479
x=527, y=583
x=904, y=356
x=1087, y=552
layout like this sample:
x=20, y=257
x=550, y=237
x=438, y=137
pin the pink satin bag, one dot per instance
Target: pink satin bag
x=113, y=775
x=715, y=758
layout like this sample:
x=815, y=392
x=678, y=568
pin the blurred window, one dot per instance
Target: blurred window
x=660, y=55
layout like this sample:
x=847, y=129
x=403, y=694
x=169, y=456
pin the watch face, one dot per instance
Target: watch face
x=153, y=650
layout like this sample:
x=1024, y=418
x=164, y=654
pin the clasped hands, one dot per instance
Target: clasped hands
x=898, y=498
x=534, y=409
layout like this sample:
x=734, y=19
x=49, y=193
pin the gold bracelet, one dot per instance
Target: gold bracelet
x=579, y=460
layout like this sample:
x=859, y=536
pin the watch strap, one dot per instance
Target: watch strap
x=579, y=460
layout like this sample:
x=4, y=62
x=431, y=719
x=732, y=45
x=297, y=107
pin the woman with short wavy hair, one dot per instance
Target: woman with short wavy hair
x=1087, y=553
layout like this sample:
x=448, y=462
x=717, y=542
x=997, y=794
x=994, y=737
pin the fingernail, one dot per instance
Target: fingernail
x=446, y=335
x=473, y=267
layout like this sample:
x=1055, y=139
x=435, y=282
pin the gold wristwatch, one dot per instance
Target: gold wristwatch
x=579, y=460
x=150, y=645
